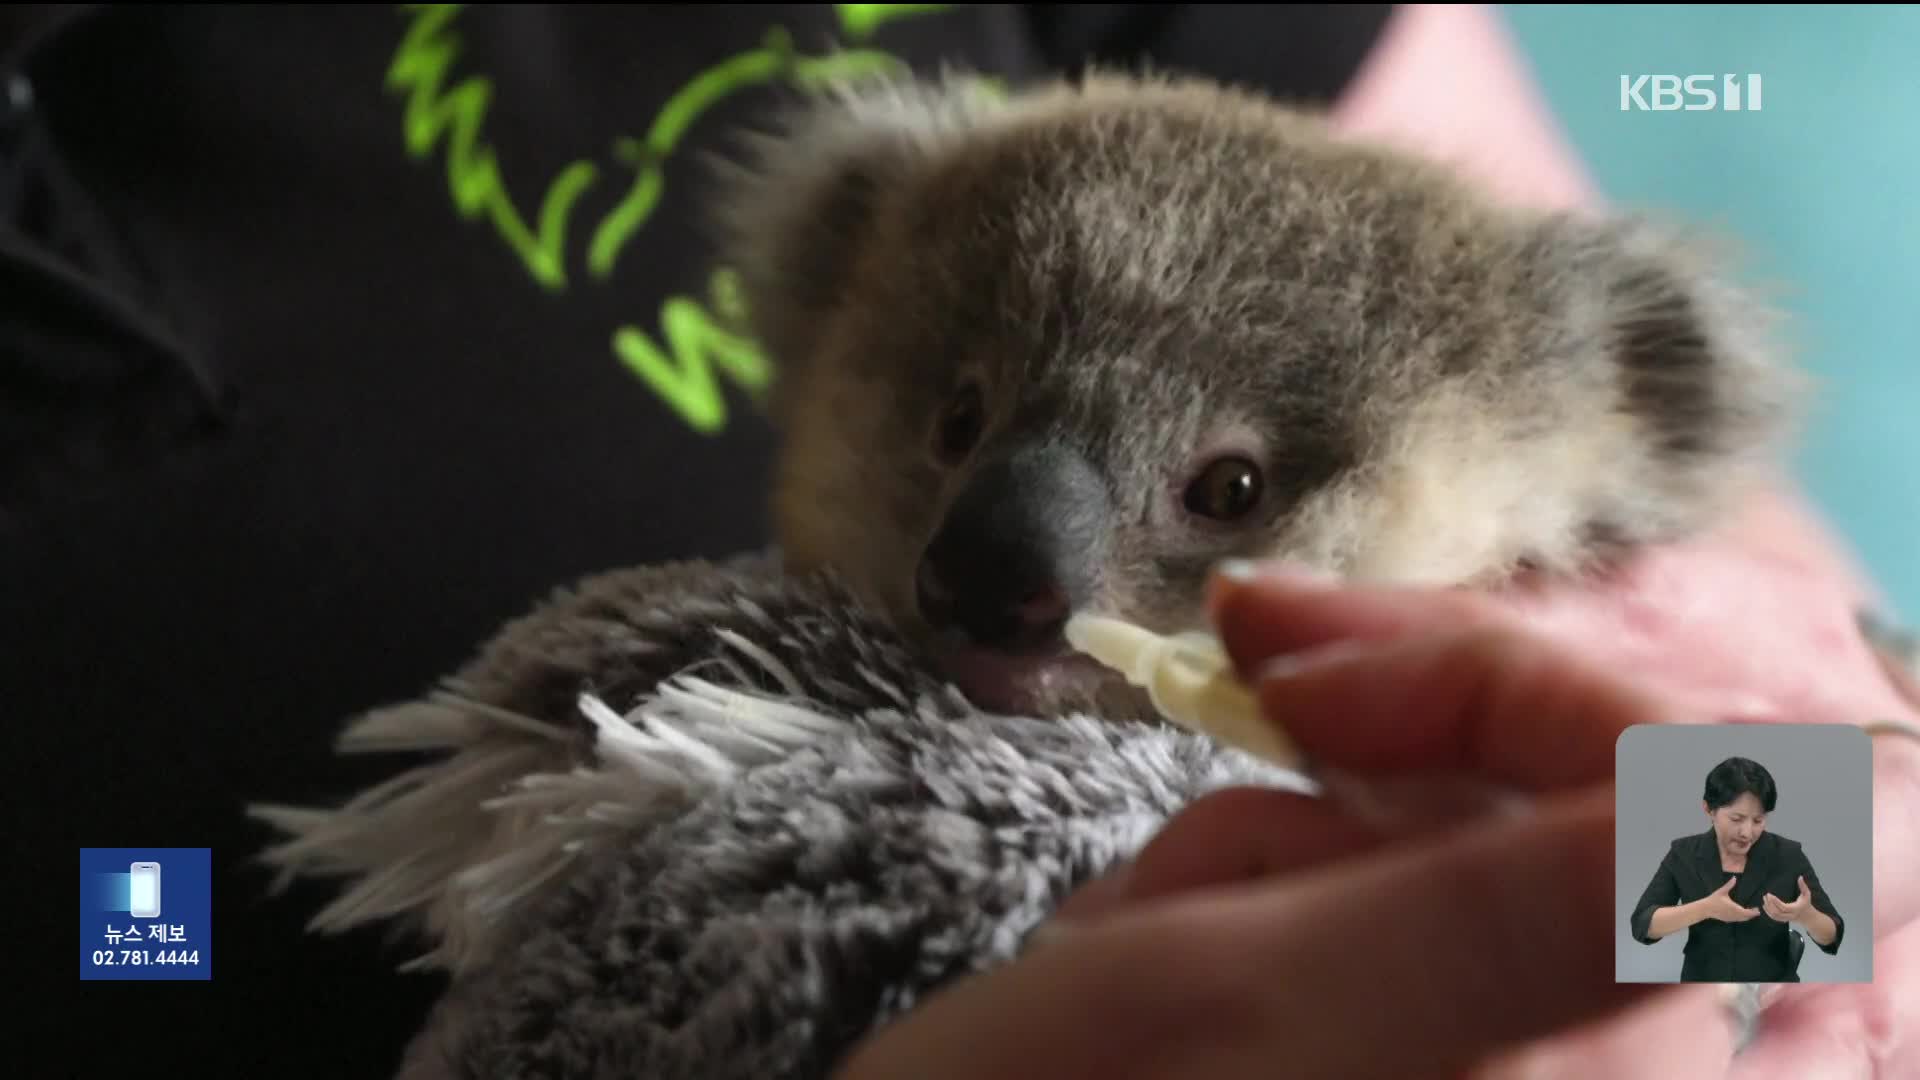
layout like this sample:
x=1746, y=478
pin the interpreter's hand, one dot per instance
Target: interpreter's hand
x=1782, y=911
x=1268, y=931
x=1718, y=904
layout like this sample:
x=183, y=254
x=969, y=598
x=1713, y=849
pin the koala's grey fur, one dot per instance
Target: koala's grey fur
x=722, y=820
x=1441, y=389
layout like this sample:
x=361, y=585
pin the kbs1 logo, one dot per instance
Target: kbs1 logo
x=1689, y=93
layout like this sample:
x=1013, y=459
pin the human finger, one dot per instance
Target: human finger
x=1233, y=835
x=1490, y=701
x=1245, y=834
x=1263, y=611
x=1266, y=611
x=1248, y=833
x=1418, y=960
x=1430, y=956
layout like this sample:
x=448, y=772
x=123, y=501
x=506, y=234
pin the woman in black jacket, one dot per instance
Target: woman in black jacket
x=1739, y=891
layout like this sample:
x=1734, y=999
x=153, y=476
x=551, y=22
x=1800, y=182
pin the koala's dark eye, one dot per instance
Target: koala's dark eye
x=1226, y=490
x=960, y=424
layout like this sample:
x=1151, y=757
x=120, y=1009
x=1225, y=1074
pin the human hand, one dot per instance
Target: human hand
x=1264, y=928
x=1762, y=610
x=1719, y=905
x=1172, y=968
x=1781, y=911
x=1755, y=622
x=1777, y=646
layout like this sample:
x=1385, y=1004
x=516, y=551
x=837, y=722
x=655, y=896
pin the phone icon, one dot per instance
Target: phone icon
x=145, y=891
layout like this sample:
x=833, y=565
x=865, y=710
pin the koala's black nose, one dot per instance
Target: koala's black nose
x=1024, y=617
x=1016, y=552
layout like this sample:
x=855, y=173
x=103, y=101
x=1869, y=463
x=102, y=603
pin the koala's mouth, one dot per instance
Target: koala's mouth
x=1011, y=683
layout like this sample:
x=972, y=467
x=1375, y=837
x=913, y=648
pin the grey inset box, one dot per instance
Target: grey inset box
x=1784, y=812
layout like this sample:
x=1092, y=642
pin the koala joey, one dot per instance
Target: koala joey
x=1068, y=349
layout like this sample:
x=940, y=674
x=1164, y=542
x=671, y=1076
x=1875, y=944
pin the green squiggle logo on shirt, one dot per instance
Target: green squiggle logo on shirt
x=435, y=111
x=700, y=349
x=775, y=60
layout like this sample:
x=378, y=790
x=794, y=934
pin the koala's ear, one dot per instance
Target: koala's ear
x=791, y=209
x=1695, y=354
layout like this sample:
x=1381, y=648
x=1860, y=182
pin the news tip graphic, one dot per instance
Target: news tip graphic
x=146, y=914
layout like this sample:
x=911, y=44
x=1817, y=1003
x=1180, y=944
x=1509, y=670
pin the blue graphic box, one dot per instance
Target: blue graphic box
x=146, y=913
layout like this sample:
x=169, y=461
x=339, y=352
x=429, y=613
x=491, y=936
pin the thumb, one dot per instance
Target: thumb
x=1803, y=885
x=1727, y=888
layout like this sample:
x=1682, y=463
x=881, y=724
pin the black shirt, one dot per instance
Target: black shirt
x=329, y=340
x=1754, y=950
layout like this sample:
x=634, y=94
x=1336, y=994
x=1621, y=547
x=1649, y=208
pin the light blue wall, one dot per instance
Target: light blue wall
x=1822, y=187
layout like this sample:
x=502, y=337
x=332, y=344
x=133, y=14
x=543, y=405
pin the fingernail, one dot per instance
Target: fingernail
x=1280, y=571
x=1408, y=804
x=1877, y=728
x=1283, y=666
x=1231, y=575
x=1227, y=578
x=1298, y=574
x=1238, y=571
